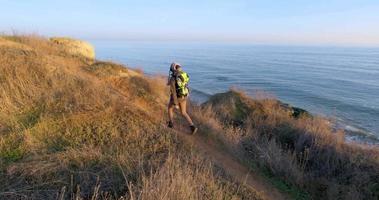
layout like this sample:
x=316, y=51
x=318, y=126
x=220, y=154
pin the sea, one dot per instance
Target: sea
x=340, y=83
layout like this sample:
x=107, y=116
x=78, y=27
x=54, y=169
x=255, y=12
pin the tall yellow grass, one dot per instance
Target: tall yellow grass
x=305, y=152
x=72, y=128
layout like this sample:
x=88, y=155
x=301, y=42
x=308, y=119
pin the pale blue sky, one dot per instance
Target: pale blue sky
x=341, y=22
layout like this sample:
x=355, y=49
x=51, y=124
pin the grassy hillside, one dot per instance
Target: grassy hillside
x=72, y=127
x=76, y=128
x=296, y=152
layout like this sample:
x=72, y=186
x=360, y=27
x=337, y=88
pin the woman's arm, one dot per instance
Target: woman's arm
x=173, y=90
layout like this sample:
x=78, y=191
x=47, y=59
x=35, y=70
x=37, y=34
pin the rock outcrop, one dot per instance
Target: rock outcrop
x=75, y=47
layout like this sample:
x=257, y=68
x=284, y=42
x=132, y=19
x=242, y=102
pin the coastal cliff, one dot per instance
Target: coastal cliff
x=75, y=127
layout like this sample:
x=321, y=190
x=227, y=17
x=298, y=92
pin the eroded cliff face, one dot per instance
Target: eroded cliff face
x=75, y=47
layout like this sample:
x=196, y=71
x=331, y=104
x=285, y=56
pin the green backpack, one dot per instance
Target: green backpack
x=182, y=84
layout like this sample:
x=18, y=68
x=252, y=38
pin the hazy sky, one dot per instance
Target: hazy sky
x=345, y=22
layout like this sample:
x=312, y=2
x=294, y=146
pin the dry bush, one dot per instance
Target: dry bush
x=305, y=151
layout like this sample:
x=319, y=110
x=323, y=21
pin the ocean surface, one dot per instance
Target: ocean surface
x=340, y=83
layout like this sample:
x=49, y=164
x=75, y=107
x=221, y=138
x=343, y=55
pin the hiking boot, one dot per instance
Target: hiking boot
x=193, y=129
x=170, y=124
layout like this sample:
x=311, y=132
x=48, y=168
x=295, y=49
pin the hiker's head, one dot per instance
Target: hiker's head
x=175, y=67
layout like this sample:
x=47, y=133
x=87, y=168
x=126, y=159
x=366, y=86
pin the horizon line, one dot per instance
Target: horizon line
x=199, y=39
x=242, y=42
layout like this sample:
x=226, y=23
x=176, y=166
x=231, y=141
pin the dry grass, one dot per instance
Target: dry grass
x=201, y=181
x=304, y=152
x=72, y=128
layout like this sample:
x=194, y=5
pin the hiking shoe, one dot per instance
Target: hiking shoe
x=170, y=124
x=193, y=129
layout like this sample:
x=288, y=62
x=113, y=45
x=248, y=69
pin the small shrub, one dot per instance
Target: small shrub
x=304, y=151
x=11, y=147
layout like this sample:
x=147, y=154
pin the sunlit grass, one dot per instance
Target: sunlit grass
x=76, y=128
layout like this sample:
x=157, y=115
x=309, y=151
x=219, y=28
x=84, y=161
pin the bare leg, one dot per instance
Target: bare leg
x=171, y=112
x=183, y=110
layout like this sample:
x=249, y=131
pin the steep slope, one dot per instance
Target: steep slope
x=302, y=154
x=73, y=127
x=231, y=165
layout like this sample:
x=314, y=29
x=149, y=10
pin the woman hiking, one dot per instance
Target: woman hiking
x=178, y=82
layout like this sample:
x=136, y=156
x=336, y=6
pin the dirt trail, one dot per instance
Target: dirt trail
x=232, y=166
